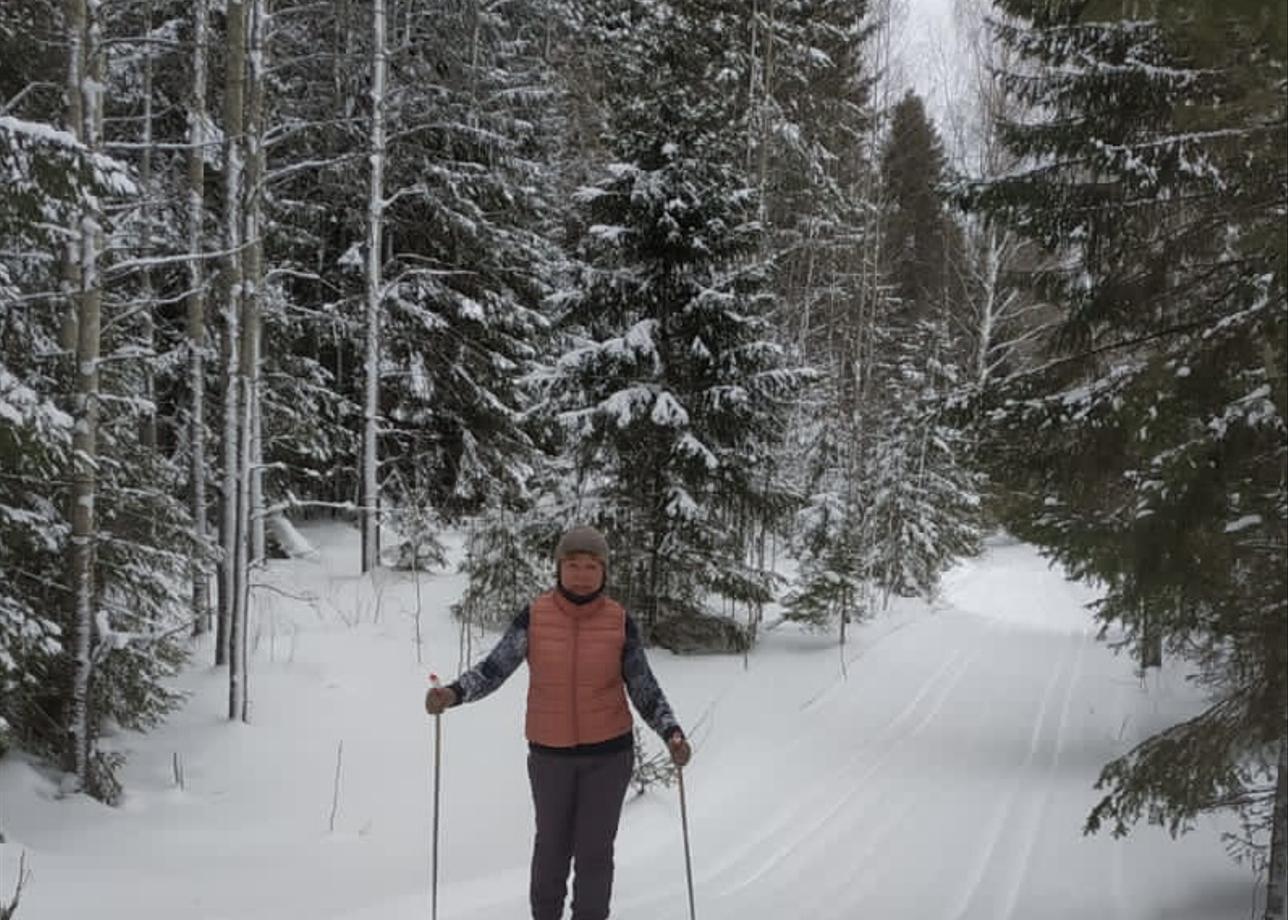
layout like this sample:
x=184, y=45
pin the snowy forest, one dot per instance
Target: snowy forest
x=709, y=275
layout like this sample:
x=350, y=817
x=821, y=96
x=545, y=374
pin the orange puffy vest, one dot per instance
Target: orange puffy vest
x=576, y=694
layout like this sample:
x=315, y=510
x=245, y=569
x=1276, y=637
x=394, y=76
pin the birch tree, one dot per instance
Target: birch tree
x=229, y=636
x=147, y=287
x=1002, y=323
x=196, y=307
x=375, y=244
x=253, y=289
x=85, y=46
x=248, y=528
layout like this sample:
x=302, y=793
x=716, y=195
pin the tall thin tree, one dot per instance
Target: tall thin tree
x=234, y=87
x=196, y=307
x=375, y=227
x=86, y=42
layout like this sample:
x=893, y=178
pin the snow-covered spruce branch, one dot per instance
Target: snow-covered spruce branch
x=174, y=559
x=135, y=305
x=129, y=265
x=42, y=481
x=30, y=87
x=419, y=189
x=277, y=175
x=130, y=41
x=284, y=13
x=1179, y=329
x=40, y=580
x=110, y=640
x=293, y=502
x=273, y=273
x=425, y=273
x=168, y=146
x=285, y=132
x=334, y=320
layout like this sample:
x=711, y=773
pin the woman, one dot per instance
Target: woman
x=584, y=657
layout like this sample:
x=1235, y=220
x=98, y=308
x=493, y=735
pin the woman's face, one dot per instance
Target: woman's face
x=581, y=573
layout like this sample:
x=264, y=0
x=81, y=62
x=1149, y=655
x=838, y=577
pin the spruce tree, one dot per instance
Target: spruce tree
x=920, y=242
x=1147, y=454
x=68, y=672
x=40, y=182
x=671, y=389
x=924, y=493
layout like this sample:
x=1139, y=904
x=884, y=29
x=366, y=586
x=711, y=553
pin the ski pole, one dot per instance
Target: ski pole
x=684, y=823
x=438, y=764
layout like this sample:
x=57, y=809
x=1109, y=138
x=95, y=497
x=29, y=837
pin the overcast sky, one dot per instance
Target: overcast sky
x=933, y=61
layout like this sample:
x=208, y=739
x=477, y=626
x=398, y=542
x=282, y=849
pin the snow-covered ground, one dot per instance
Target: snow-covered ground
x=940, y=769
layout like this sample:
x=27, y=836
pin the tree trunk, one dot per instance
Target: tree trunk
x=196, y=304
x=86, y=41
x=375, y=220
x=247, y=379
x=1277, y=887
x=1151, y=643
x=234, y=87
x=74, y=10
x=253, y=279
x=148, y=432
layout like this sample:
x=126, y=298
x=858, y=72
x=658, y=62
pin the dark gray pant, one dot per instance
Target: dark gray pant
x=578, y=803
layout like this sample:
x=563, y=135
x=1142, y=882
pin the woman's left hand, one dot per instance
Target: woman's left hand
x=680, y=750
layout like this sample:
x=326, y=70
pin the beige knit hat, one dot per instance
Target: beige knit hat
x=582, y=539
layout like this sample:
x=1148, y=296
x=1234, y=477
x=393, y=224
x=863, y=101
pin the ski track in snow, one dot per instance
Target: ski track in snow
x=1000, y=827
x=943, y=775
x=790, y=811
x=861, y=807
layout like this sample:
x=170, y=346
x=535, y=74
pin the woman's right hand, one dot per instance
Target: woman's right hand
x=438, y=699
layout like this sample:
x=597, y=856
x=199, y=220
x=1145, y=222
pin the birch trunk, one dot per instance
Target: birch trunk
x=196, y=305
x=86, y=41
x=375, y=220
x=1277, y=886
x=148, y=433
x=990, y=287
x=766, y=95
x=234, y=85
x=74, y=10
x=253, y=280
x=249, y=505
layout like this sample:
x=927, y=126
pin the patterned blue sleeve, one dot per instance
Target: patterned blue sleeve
x=490, y=673
x=642, y=686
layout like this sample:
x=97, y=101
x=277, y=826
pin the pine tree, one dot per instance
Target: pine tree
x=1148, y=452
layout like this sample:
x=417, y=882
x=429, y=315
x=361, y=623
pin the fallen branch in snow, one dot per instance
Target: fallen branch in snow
x=282, y=592
x=8, y=910
x=335, y=794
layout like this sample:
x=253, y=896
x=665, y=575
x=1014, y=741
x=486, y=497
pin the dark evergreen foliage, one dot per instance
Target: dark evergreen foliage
x=1148, y=453
x=672, y=390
